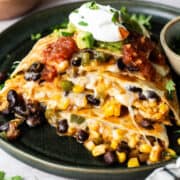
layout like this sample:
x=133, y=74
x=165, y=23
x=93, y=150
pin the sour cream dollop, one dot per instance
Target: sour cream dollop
x=97, y=21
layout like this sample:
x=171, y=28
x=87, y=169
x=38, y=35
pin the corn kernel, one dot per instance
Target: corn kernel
x=171, y=152
x=64, y=104
x=163, y=108
x=155, y=154
x=133, y=162
x=78, y=89
x=114, y=144
x=132, y=142
x=99, y=150
x=145, y=148
x=112, y=108
x=178, y=141
x=121, y=156
x=89, y=145
x=118, y=134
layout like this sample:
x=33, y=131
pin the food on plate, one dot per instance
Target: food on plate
x=102, y=80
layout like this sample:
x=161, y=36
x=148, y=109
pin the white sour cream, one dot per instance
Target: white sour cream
x=98, y=22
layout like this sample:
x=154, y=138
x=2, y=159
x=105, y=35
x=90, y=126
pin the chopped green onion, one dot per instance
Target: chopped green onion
x=66, y=85
x=2, y=175
x=1, y=86
x=16, y=178
x=64, y=33
x=77, y=119
x=35, y=37
x=83, y=23
x=178, y=131
x=170, y=87
x=92, y=5
x=115, y=17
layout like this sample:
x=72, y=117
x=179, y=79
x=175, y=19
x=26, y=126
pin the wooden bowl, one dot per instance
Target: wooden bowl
x=13, y=8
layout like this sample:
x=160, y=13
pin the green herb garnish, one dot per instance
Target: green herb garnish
x=77, y=119
x=115, y=17
x=170, y=87
x=35, y=37
x=2, y=175
x=138, y=23
x=1, y=86
x=83, y=23
x=178, y=131
x=112, y=46
x=16, y=178
x=92, y=5
x=14, y=65
x=64, y=33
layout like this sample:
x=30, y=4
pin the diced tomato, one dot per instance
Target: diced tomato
x=48, y=73
x=60, y=50
x=124, y=33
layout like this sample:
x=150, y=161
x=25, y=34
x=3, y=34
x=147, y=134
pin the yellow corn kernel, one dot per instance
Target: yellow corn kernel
x=132, y=142
x=133, y=162
x=121, y=156
x=118, y=134
x=114, y=144
x=171, y=152
x=112, y=108
x=89, y=145
x=99, y=150
x=163, y=108
x=78, y=89
x=64, y=104
x=178, y=141
x=155, y=154
x=145, y=148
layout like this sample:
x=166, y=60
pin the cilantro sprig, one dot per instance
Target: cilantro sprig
x=83, y=23
x=92, y=5
x=133, y=22
x=170, y=87
x=3, y=177
x=35, y=37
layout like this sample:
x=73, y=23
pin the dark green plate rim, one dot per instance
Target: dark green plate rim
x=82, y=171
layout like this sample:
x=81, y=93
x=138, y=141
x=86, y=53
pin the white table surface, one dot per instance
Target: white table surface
x=8, y=163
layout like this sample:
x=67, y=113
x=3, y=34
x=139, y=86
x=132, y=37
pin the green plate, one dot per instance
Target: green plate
x=41, y=147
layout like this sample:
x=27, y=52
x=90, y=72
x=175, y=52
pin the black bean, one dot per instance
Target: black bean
x=76, y=61
x=20, y=110
x=63, y=126
x=142, y=96
x=92, y=100
x=36, y=67
x=3, y=77
x=12, y=98
x=33, y=121
x=134, y=89
x=32, y=76
x=4, y=127
x=146, y=123
x=82, y=136
x=132, y=68
x=120, y=64
x=152, y=95
x=123, y=147
x=110, y=157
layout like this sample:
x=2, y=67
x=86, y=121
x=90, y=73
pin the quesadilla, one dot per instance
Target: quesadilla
x=110, y=96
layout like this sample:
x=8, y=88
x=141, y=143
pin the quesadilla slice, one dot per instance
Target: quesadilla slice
x=110, y=96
